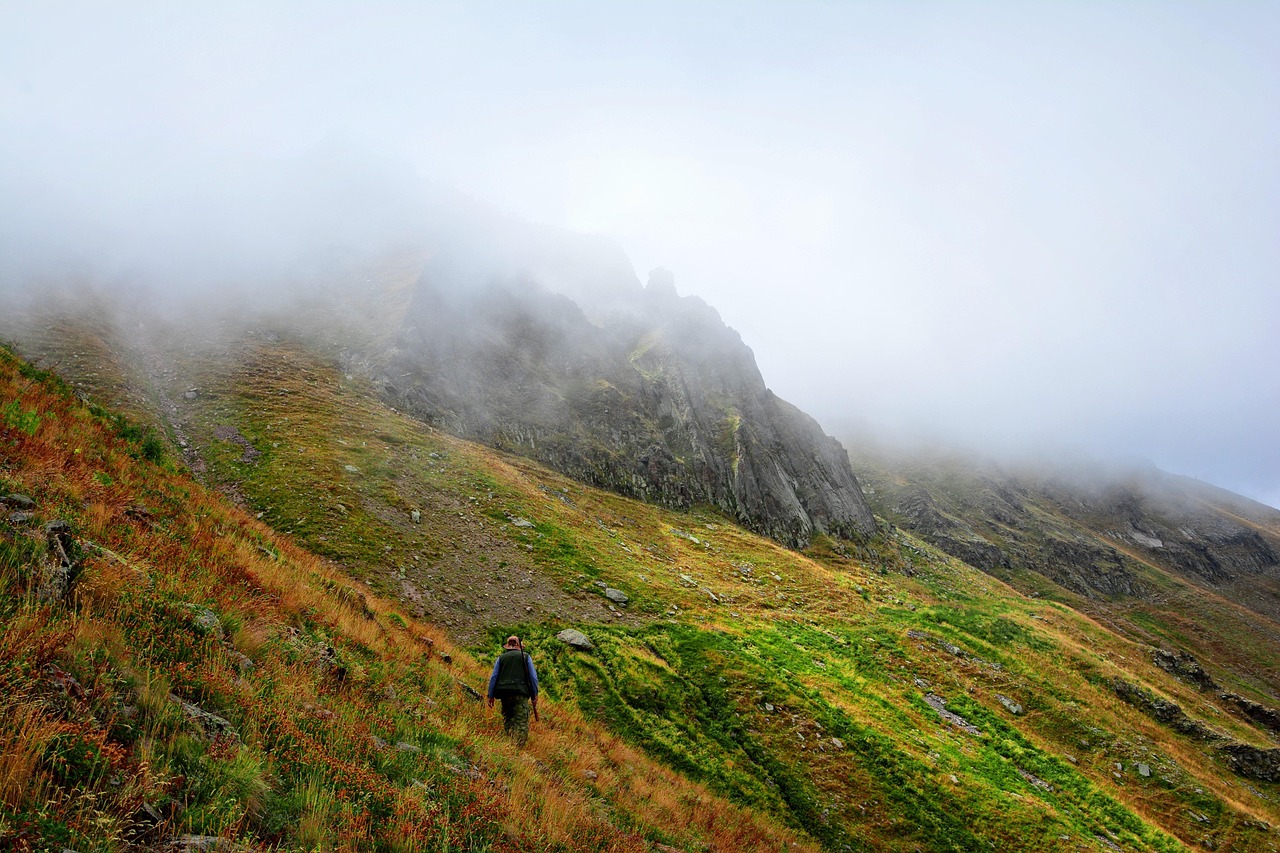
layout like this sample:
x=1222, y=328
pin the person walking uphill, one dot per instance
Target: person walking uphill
x=515, y=682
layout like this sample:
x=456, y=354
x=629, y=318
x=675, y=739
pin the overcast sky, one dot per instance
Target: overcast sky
x=1008, y=222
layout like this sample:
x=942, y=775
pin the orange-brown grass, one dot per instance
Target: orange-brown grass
x=79, y=757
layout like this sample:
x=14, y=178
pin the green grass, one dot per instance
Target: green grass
x=747, y=697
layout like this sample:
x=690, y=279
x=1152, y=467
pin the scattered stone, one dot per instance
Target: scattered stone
x=1163, y=711
x=249, y=454
x=377, y=742
x=205, y=620
x=351, y=469
x=206, y=844
x=1268, y=717
x=242, y=661
x=470, y=771
x=1252, y=762
x=520, y=522
x=688, y=581
x=59, y=575
x=616, y=595
x=17, y=519
x=1035, y=781
x=416, y=516
x=590, y=775
x=18, y=501
x=1011, y=706
x=63, y=681
x=575, y=639
x=404, y=746
x=939, y=704
x=769, y=708
x=1144, y=770
x=711, y=595
x=213, y=726
x=469, y=691
x=837, y=743
x=144, y=821
x=954, y=779
x=1183, y=666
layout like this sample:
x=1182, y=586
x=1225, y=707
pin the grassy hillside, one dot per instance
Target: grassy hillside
x=854, y=698
x=1073, y=537
x=204, y=675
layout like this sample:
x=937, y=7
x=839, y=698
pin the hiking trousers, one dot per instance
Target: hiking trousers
x=515, y=718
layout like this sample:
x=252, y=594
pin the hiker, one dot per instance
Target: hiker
x=515, y=682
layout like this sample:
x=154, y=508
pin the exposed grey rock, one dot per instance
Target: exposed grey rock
x=469, y=691
x=205, y=620
x=144, y=821
x=213, y=726
x=242, y=661
x=351, y=469
x=575, y=639
x=415, y=516
x=18, y=501
x=616, y=595
x=249, y=455
x=1144, y=770
x=1268, y=717
x=939, y=704
x=521, y=522
x=60, y=572
x=18, y=519
x=1183, y=666
x=638, y=391
x=403, y=746
x=1011, y=706
x=1034, y=780
x=63, y=681
x=1252, y=762
x=205, y=844
x=1163, y=711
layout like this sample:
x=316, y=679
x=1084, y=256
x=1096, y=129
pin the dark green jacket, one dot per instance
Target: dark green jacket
x=513, y=675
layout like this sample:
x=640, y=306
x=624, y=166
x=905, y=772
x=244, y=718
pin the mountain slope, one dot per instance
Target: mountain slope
x=810, y=687
x=1166, y=559
x=653, y=398
x=173, y=670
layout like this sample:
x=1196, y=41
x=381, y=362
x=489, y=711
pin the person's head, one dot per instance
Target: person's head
x=513, y=642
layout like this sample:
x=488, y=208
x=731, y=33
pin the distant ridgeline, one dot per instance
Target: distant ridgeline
x=631, y=388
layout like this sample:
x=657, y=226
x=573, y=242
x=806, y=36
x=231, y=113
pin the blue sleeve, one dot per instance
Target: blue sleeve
x=533, y=679
x=493, y=679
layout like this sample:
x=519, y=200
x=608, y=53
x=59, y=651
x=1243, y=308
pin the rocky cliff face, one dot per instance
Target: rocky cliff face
x=1091, y=530
x=631, y=388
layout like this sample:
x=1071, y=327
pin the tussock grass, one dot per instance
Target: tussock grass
x=194, y=599
x=788, y=708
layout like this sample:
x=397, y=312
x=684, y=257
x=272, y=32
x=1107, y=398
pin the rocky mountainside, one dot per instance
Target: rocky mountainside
x=530, y=339
x=640, y=391
x=1163, y=557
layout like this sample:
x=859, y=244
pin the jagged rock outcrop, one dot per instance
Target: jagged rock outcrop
x=1098, y=531
x=642, y=392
